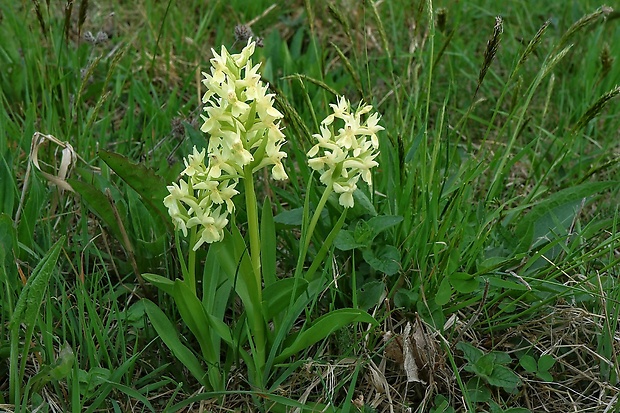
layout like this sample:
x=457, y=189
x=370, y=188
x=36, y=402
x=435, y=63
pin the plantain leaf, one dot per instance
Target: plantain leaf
x=380, y=223
x=386, y=259
x=99, y=204
x=293, y=217
x=196, y=319
x=444, y=292
x=370, y=293
x=8, y=247
x=464, y=282
x=144, y=180
x=235, y=262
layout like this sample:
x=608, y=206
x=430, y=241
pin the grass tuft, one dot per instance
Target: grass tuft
x=488, y=242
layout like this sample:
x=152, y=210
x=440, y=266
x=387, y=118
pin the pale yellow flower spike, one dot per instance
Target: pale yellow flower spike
x=344, y=157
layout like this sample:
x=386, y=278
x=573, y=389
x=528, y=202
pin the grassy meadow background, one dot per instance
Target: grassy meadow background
x=497, y=290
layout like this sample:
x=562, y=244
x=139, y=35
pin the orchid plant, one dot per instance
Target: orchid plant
x=245, y=136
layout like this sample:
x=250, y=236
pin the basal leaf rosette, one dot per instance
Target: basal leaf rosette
x=342, y=157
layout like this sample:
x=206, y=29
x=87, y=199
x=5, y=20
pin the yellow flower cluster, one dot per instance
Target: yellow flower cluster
x=243, y=125
x=348, y=154
x=244, y=132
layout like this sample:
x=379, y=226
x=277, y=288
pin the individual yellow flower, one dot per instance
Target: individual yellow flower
x=211, y=223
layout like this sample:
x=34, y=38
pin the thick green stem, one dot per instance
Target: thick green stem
x=308, y=234
x=257, y=323
x=190, y=276
x=253, y=228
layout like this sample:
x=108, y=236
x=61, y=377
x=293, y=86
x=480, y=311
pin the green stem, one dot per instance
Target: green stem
x=190, y=276
x=308, y=234
x=257, y=323
x=253, y=228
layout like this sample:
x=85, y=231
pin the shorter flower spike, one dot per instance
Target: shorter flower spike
x=198, y=201
x=344, y=156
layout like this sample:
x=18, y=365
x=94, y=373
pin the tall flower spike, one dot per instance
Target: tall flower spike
x=345, y=156
x=244, y=132
x=243, y=125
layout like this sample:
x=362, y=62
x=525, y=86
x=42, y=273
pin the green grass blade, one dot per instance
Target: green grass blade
x=26, y=313
x=167, y=333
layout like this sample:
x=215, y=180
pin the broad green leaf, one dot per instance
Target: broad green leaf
x=471, y=353
x=385, y=259
x=26, y=313
x=37, y=199
x=144, y=180
x=362, y=202
x=277, y=296
x=381, y=223
x=234, y=260
x=477, y=391
x=501, y=357
x=323, y=327
x=193, y=314
x=405, y=298
x=444, y=292
x=528, y=363
x=544, y=375
x=555, y=213
x=498, y=282
x=369, y=294
x=326, y=246
x=293, y=217
x=485, y=365
x=98, y=203
x=8, y=256
x=168, y=334
x=163, y=283
x=545, y=362
x=216, y=287
x=464, y=282
x=502, y=376
x=31, y=297
x=8, y=186
x=345, y=241
x=363, y=233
